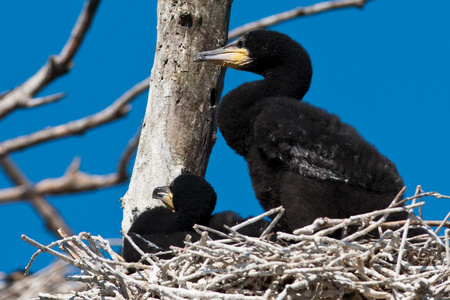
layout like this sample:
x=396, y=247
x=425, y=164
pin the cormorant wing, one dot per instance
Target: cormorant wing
x=296, y=136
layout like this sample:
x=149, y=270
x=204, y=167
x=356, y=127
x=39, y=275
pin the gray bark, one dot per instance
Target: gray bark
x=179, y=128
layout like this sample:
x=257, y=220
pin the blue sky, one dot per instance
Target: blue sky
x=384, y=69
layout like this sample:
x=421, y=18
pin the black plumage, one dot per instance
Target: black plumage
x=298, y=155
x=189, y=200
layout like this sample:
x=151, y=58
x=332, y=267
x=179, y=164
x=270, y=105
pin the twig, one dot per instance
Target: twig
x=427, y=194
x=443, y=223
x=64, y=235
x=404, y=236
x=47, y=249
x=43, y=100
x=55, y=66
x=73, y=181
x=198, y=229
x=447, y=247
x=191, y=294
x=377, y=223
x=319, y=240
x=273, y=223
x=355, y=220
x=145, y=257
x=400, y=223
x=257, y=218
x=51, y=217
x=294, y=13
x=359, y=220
x=112, y=112
x=256, y=242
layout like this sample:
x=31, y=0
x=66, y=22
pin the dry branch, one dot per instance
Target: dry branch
x=52, y=218
x=242, y=267
x=73, y=181
x=114, y=111
x=44, y=100
x=294, y=13
x=22, y=96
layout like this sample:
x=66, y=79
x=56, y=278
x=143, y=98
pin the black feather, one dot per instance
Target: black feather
x=194, y=200
x=298, y=155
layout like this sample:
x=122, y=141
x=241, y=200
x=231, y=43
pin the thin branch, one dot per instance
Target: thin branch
x=145, y=256
x=260, y=217
x=405, y=235
x=55, y=66
x=447, y=248
x=47, y=249
x=114, y=111
x=53, y=220
x=78, y=32
x=43, y=100
x=294, y=13
x=444, y=223
x=73, y=181
x=397, y=224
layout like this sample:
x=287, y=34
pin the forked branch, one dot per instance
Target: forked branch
x=114, y=111
x=22, y=96
x=73, y=181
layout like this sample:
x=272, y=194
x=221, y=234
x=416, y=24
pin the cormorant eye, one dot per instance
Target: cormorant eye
x=240, y=44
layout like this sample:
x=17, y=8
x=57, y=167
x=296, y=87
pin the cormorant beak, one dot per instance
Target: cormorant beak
x=232, y=55
x=164, y=194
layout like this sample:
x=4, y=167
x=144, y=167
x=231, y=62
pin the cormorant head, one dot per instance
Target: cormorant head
x=188, y=192
x=260, y=52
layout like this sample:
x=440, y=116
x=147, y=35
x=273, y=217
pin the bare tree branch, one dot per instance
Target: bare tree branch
x=55, y=66
x=53, y=220
x=114, y=111
x=294, y=13
x=73, y=181
x=43, y=100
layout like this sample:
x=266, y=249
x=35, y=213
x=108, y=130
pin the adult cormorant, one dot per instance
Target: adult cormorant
x=298, y=155
x=189, y=200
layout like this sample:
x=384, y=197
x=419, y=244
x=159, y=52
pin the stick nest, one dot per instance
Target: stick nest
x=304, y=265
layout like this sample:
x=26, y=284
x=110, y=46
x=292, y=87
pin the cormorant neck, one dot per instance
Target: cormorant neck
x=291, y=79
x=236, y=111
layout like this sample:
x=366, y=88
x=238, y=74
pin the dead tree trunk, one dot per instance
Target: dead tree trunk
x=179, y=128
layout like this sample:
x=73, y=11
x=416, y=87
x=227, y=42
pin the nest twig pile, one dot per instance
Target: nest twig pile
x=304, y=265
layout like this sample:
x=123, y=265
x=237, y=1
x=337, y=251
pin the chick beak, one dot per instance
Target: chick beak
x=164, y=194
x=231, y=56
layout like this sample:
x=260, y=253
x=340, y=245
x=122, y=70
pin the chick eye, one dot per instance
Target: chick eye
x=240, y=44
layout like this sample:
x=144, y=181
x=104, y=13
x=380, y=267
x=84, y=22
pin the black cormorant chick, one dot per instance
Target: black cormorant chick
x=190, y=200
x=298, y=155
